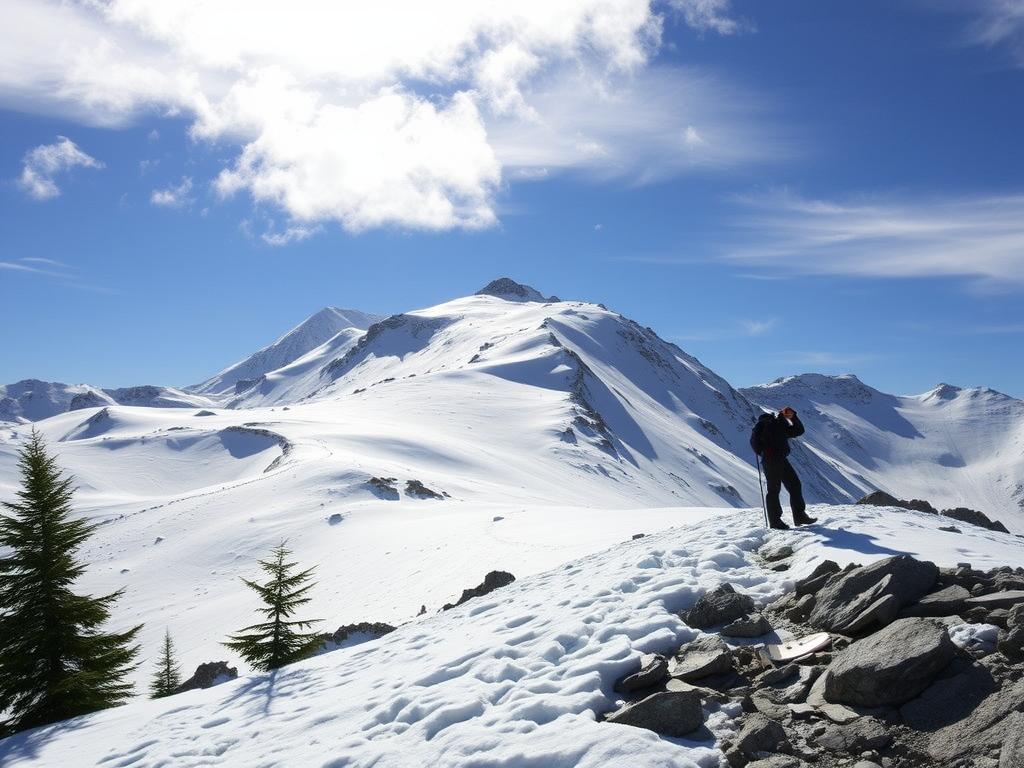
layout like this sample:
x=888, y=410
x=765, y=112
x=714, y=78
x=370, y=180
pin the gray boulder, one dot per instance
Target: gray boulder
x=707, y=655
x=653, y=669
x=945, y=602
x=758, y=735
x=841, y=603
x=670, y=713
x=753, y=625
x=860, y=735
x=891, y=666
x=720, y=605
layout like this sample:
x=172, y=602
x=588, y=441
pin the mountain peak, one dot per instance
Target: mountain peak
x=508, y=289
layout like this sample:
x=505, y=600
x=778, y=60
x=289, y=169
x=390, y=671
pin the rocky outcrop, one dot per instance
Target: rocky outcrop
x=492, y=581
x=418, y=490
x=208, y=675
x=974, y=517
x=351, y=634
x=853, y=601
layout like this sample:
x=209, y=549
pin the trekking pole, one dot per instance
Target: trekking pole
x=764, y=507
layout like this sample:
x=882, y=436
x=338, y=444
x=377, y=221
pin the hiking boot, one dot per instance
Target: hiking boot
x=804, y=520
x=778, y=525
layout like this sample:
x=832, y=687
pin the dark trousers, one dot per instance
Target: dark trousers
x=778, y=473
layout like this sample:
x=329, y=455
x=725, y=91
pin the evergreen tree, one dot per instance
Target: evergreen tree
x=55, y=662
x=278, y=640
x=167, y=677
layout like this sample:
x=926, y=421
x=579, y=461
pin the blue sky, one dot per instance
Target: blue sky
x=777, y=187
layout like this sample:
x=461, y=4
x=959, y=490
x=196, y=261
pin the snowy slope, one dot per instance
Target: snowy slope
x=513, y=679
x=951, y=446
x=315, y=330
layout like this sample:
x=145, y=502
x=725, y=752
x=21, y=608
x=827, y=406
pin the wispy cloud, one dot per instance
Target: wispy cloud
x=741, y=329
x=43, y=164
x=978, y=238
x=174, y=196
x=711, y=15
x=293, y=234
x=54, y=271
x=998, y=23
x=437, y=112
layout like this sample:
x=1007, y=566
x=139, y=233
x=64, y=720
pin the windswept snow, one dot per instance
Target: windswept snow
x=513, y=679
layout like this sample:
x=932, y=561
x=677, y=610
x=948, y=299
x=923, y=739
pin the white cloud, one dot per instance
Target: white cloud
x=980, y=238
x=292, y=234
x=376, y=114
x=709, y=15
x=174, y=196
x=43, y=164
x=999, y=23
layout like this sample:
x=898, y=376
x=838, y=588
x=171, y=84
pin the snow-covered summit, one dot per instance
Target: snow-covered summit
x=508, y=289
x=315, y=330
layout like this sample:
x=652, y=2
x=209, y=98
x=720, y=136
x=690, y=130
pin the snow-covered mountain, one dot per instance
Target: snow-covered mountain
x=314, y=331
x=34, y=400
x=952, y=446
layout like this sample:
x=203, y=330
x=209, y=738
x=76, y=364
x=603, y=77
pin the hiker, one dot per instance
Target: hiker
x=770, y=441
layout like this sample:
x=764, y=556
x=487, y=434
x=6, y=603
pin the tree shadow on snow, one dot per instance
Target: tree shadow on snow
x=27, y=744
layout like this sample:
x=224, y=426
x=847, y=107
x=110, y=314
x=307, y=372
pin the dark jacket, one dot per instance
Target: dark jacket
x=770, y=438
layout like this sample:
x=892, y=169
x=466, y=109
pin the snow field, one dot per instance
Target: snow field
x=516, y=678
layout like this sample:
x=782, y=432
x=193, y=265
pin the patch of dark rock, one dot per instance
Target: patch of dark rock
x=707, y=655
x=353, y=634
x=208, y=675
x=720, y=605
x=891, y=666
x=801, y=609
x=420, y=491
x=204, y=413
x=384, y=487
x=638, y=536
x=492, y=581
x=653, y=669
x=949, y=529
x=883, y=499
x=669, y=713
x=335, y=518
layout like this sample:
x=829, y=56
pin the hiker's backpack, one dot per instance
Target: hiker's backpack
x=757, y=433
